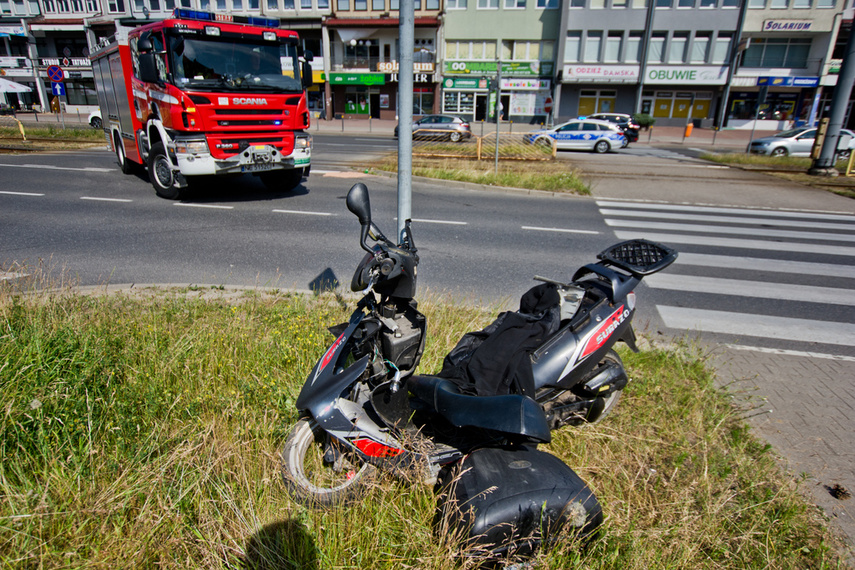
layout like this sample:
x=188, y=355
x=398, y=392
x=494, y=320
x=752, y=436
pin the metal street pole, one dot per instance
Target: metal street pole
x=406, y=32
x=731, y=69
x=498, y=109
x=824, y=165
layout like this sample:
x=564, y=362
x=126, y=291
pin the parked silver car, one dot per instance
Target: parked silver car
x=444, y=127
x=797, y=142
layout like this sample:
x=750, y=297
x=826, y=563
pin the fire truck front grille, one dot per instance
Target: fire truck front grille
x=228, y=145
x=247, y=112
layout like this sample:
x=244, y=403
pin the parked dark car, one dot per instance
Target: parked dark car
x=625, y=122
x=444, y=127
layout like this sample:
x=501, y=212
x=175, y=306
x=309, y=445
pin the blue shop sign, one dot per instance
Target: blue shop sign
x=788, y=81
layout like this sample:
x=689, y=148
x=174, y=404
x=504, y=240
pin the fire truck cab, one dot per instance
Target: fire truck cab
x=206, y=94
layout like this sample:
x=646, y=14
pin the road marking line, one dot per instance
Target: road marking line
x=7, y=275
x=783, y=352
x=561, y=230
x=813, y=214
x=730, y=230
x=744, y=324
x=105, y=199
x=52, y=167
x=20, y=193
x=762, y=264
x=302, y=212
x=205, y=206
x=729, y=219
x=739, y=243
x=447, y=222
x=780, y=291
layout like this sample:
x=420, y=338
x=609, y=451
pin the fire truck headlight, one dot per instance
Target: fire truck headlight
x=269, y=36
x=303, y=142
x=212, y=30
x=191, y=147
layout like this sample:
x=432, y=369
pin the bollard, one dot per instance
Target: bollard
x=688, y=131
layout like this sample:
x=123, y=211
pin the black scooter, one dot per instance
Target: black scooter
x=362, y=407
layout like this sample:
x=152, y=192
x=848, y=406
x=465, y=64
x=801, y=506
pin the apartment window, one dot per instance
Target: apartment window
x=700, y=47
x=707, y=3
x=237, y=4
x=677, y=49
x=757, y=4
x=431, y=4
x=514, y=4
x=825, y=3
x=378, y=5
x=470, y=50
x=342, y=5
x=730, y=3
x=663, y=3
x=593, y=43
x=801, y=3
x=221, y=4
x=572, y=46
x=115, y=6
x=685, y=3
x=619, y=3
x=778, y=4
x=323, y=4
x=721, y=48
x=360, y=5
x=633, y=48
x=597, y=4
x=657, y=48
x=488, y=4
x=613, y=42
x=777, y=52
x=455, y=4
x=305, y=4
x=638, y=4
x=547, y=4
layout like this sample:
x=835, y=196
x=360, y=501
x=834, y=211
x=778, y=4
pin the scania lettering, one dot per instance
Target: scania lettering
x=200, y=94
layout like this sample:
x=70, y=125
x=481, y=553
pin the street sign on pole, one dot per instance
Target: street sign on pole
x=57, y=88
x=55, y=73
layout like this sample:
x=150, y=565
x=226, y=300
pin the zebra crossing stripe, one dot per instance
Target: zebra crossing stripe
x=744, y=324
x=682, y=216
x=768, y=265
x=743, y=288
x=839, y=216
x=671, y=239
x=729, y=230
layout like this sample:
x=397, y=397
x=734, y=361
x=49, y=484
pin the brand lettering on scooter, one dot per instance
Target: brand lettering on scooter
x=328, y=356
x=616, y=321
x=249, y=101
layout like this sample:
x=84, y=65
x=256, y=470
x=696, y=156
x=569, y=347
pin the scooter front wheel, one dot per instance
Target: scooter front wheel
x=318, y=470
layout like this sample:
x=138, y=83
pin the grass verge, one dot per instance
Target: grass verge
x=142, y=430
x=552, y=176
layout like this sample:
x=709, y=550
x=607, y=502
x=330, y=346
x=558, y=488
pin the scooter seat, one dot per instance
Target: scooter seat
x=512, y=414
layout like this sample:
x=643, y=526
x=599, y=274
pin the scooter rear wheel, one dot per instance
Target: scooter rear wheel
x=312, y=476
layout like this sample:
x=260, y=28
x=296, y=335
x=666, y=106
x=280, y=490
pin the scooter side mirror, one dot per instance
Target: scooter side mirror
x=358, y=203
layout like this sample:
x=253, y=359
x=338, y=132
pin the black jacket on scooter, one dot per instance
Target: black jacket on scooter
x=495, y=360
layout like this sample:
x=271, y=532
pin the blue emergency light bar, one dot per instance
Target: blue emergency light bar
x=186, y=14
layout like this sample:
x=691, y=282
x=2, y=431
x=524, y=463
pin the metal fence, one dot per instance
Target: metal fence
x=437, y=143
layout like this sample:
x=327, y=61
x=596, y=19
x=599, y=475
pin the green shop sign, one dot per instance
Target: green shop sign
x=518, y=68
x=357, y=78
x=466, y=83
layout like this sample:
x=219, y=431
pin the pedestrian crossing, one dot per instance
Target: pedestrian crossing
x=779, y=278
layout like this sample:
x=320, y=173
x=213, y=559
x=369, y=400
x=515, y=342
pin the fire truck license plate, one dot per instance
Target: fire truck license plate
x=256, y=167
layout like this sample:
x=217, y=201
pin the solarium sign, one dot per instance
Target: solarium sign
x=685, y=75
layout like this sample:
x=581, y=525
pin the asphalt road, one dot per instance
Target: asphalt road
x=783, y=268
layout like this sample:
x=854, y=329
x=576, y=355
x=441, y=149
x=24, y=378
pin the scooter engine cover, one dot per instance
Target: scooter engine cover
x=509, y=501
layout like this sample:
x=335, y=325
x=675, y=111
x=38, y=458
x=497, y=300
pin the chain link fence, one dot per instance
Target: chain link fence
x=438, y=143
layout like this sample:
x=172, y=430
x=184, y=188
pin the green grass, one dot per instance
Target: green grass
x=757, y=160
x=81, y=133
x=142, y=430
x=551, y=176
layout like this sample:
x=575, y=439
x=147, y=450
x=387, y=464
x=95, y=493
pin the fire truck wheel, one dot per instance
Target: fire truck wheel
x=282, y=180
x=125, y=165
x=160, y=173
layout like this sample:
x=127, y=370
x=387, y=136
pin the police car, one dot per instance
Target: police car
x=581, y=134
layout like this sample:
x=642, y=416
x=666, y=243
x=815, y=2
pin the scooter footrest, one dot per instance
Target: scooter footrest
x=511, y=414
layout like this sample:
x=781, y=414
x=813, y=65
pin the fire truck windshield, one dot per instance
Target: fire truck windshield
x=233, y=64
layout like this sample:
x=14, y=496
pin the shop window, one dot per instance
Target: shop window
x=633, y=48
x=721, y=48
x=613, y=43
x=677, y=49
x=593, y=44
x=572, y=46
x=700, y=46
x=656, y=48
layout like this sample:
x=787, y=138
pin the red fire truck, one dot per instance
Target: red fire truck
x=203, y=93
